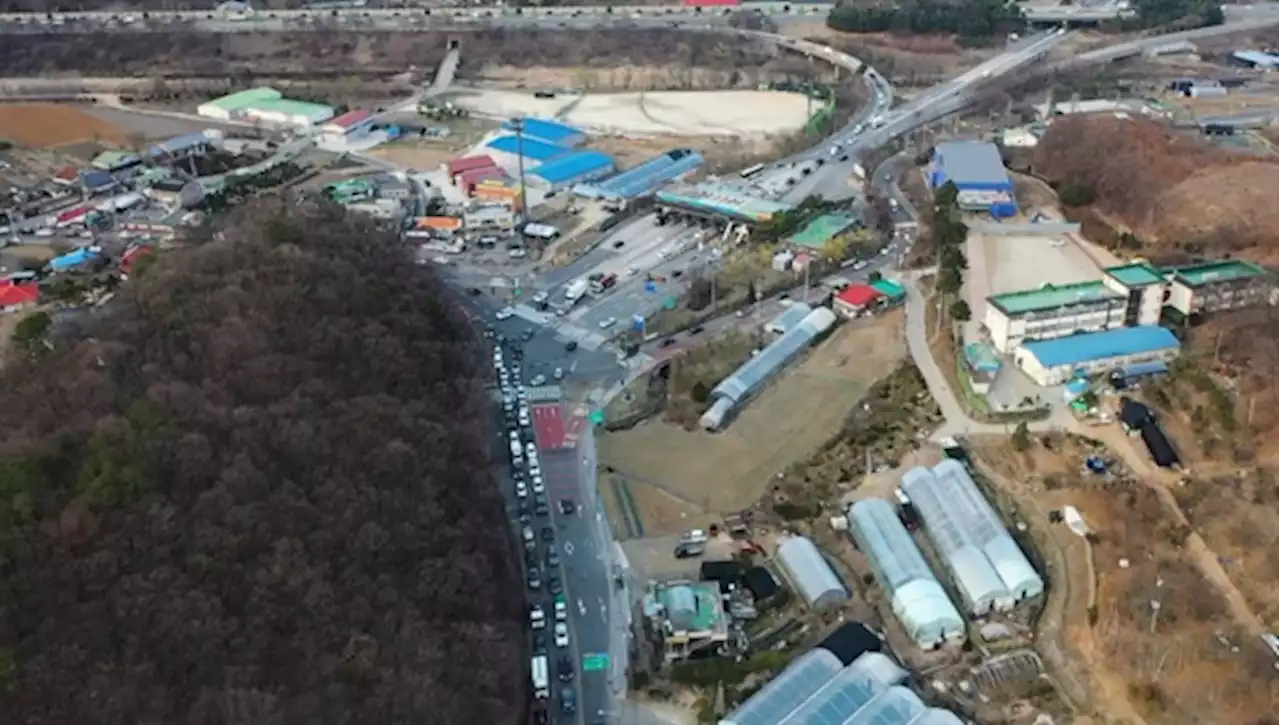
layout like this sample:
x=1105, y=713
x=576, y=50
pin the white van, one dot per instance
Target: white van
x=539, y=674
x=694, y=536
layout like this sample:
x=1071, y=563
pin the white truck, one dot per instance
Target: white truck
x=540, y=674
x=576, y=290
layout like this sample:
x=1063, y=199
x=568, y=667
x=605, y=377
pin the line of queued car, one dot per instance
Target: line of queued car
x=537, y=535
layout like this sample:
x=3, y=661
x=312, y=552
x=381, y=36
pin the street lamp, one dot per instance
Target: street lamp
x=517, y=125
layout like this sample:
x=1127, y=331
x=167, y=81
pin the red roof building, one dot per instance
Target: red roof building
x=468, y=180
x=74, y=214
x=132, y=255
x=468, y=163
x=69, y=175
x=855, y=299
x=15, y=296
x=348, y=120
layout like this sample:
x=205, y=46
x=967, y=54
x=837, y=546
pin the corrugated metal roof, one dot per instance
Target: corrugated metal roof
x=970, y=162
x=574, y=165
x=1091, y=346
x=556, y=133
x=530, y=148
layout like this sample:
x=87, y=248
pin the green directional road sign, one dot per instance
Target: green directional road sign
x=595, y=662
x=596, y=417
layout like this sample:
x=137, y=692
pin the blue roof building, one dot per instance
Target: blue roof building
x=645, y=178
x=1053, y=362
x=97, y=180
x=530, y=148
x=977, y=170
x=179, y=146
x=573, y=168
x=73, y=259
x=549, y=131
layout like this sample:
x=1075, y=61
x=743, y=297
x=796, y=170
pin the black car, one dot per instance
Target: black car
x=571, y=345
x=474, y=291
x=539, y=643
x=618, y=244
x=528, y=334
x=535, y=580
x=567, y=507
x=553, y=559
x=667, y=342
x=568, y=701
x=522, y=512
x=565, y=669
x=696, y=329
x=553, y=585
x=540, y=508
x=548, y=533
x=540, y=717
x=530, y=560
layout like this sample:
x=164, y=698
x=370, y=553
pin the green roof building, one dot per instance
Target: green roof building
x=224, y=108
x=892, y=290
x=1226, y=284
x=114, y=160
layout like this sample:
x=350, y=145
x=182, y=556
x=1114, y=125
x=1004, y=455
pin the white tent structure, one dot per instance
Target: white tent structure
x=918, y=600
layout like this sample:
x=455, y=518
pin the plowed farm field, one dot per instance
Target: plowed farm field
x=42, y=125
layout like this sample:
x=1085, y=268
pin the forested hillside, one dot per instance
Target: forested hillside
x=258, y=495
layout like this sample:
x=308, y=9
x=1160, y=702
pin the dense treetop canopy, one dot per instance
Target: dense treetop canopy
x=260, y=493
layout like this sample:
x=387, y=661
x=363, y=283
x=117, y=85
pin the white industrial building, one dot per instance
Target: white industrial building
x=809, y=572
x=1126, y=296
x=917, y=599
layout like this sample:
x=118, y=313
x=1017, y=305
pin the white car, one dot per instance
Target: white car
x=608, y=322
x=539, y=380
x=534, y=469
x=540, y=298
x=562, y=611
x=562, y=634
x=558, y=374
x=537, y=618
x=538, y=486
x=505, y=313
x=522, y=491
x=531, y=449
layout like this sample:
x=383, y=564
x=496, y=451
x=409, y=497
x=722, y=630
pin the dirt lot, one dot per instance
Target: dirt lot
x=729, y=471
x=1185, y=662
x=48, y=124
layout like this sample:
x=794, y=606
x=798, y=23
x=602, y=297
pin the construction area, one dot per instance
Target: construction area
x=676, y=474
x=678, y=113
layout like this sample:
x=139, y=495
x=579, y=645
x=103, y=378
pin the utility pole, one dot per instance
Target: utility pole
x=517, y=124
x=808, y=263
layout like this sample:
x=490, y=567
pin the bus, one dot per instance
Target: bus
x=751, y=171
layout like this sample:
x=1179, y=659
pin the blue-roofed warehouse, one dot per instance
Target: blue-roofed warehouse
x=1053, y=362
x=530, y=148
x=574, y=167
x=549, y=131
x=187, y=144
x=978, y=172
x=645, y=178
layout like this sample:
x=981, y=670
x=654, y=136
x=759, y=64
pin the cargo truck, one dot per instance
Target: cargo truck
x=576, y=290
x=538, y=672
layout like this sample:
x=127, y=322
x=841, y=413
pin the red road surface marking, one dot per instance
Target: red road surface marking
x=548, y=427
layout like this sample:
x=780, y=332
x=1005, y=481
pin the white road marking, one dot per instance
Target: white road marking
x=568, y=549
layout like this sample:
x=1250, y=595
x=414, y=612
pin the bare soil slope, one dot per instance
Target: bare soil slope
x=1182, y=196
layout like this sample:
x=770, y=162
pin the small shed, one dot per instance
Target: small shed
x=855, y=299
x=809, y=572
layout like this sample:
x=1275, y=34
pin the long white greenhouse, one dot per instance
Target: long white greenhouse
x=810, y=573
x=973, y=573
x=971, y=510
x=918, y=600
x=866, y=692
x=784, y=693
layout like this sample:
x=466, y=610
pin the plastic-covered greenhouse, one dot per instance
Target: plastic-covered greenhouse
x=969, y=508
x=784, y=693
x=855, y=687
x=866, y=692
x=809, y=571
x=747, y=380
x=974, y=575
x=918, y=600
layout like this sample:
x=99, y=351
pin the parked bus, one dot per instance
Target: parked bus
x=751, y=171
